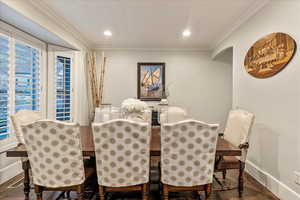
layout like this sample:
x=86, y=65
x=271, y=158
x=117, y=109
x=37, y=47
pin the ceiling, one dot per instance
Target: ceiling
x=17, y=20
x=154, y=24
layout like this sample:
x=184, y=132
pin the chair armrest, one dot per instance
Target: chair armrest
x=244, y=145
x=5, y=151
x=221, y=134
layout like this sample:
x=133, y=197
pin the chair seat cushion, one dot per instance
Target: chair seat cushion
x=228, y=162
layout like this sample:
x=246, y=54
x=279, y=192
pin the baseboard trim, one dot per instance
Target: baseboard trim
x=279, y=189
x=10, y=171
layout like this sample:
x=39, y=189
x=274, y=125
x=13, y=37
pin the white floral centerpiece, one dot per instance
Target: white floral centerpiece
x=134, y=109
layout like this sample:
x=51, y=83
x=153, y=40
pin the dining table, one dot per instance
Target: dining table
x=224, y=148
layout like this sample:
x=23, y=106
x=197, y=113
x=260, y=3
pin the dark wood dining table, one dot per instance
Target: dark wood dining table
x=224, y=148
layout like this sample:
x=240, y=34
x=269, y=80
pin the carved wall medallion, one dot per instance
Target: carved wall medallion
x=269, y=55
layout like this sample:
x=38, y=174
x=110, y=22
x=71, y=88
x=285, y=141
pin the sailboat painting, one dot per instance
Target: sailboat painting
x=151, y=81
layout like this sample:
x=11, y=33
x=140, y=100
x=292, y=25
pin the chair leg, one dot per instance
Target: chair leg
x=160, y=189
x=68, y=194
x=165, y=192
x=145, y=191
x=97, y=195
x=26, y=166
x=224, y=172
x=101, y=192
x=61, y=195
x=241, y=179
x=80, y=190
x=39, y=192
x=208, y=191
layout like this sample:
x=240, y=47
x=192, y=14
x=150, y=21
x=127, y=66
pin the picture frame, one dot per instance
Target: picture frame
x=151, y=81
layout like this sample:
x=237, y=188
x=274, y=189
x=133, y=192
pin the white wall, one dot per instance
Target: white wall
x=274, y=151
x=196, y=82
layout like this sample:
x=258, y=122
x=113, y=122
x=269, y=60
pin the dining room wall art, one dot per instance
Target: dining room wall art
x=151, y=81
x=269, y=55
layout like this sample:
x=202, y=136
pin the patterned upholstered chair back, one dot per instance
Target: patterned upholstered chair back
x=238, y=128
x=122, y=152
x=188, y=153
x=55, y=153
x=173, y=114
x=21, y=118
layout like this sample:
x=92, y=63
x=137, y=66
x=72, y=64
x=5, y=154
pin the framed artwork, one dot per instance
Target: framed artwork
x=269, y=55
x=151, y=81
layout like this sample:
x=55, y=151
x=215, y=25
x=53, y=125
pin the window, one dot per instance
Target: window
x=20, y=77
x=63, y=88
x=4, y=85
x=27, y=79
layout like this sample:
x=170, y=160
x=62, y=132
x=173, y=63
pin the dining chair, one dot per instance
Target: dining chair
x=21, y=118
x=172, y=114
x=237, y=132
x=55, y=155
x=187, y=161
x=122, y=149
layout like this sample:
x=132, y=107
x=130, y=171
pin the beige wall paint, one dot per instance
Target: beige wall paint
x=275, y=140
x=195, y=81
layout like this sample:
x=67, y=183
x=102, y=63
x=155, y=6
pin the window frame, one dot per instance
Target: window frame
x=53, y=53
x=15, y=35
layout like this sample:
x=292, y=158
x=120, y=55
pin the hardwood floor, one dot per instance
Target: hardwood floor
x=253, y=191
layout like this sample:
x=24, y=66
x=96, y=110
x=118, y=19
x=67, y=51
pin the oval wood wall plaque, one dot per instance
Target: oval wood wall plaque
x=269, y=55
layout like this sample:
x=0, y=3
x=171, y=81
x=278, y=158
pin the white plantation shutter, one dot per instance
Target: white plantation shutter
x=27, y=77
x=20, y=82
x=63, y=88
x=4, y=85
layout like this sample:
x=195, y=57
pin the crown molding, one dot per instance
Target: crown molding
x=63, y=24
x=99, y=48
x=255, y=7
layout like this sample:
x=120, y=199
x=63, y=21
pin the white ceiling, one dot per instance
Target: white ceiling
x=154, y=24
x=14, y=18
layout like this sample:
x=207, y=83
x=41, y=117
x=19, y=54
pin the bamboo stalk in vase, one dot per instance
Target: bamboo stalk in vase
x=102, y=80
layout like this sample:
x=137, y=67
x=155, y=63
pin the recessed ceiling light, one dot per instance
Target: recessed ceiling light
x=186, y=33
x=107, y=33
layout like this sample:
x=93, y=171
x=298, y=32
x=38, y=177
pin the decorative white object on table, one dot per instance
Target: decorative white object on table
x=134, y=105
x=134, y=109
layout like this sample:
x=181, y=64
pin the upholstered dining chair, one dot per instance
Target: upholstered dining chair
x=187, y=161
x=122, y=156
x=172, y=114
x=55, y=155
x=21, y=118
x=237, y=132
